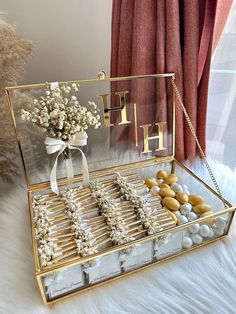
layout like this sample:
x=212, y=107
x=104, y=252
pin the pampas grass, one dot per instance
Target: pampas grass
x=14, y=53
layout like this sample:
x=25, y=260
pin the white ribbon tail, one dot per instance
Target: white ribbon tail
x=53, y=175
x=84, y=168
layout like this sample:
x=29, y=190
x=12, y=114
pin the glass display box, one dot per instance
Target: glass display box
x=140, y=205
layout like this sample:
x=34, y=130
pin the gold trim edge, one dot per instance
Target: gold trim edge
x=111, y=79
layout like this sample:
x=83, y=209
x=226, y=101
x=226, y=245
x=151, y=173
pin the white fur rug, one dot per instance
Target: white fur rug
x=200, y=282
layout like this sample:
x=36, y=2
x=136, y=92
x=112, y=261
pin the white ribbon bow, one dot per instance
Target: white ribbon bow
x=54, y=145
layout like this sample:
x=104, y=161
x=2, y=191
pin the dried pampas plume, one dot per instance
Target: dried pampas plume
x=14, y=53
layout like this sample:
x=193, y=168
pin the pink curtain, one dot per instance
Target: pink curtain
x=157, y=36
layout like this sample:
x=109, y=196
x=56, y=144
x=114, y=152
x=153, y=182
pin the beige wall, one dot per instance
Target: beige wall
x=71, y=37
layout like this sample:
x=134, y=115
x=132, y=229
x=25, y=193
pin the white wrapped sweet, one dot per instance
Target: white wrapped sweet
x=182, y=220
x=194, y=228
x=159, y=181
x=186, y=209
x=220, y=222
x=155, y=190
x=187, y=242
x=176, y=187
x=218, y=231
x=185, y=189
x=192, y=216
x=177, y=213
x=211, y=233
x=204, y=231
x=197, y=239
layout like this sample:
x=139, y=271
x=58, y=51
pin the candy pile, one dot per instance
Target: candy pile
x=196, y=233
x=186, y=207
x=176, y=197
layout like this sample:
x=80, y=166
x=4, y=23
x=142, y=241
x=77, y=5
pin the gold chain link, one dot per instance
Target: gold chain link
x=196, y=139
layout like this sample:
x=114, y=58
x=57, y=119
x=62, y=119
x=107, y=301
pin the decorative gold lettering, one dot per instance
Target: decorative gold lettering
x=147, y=138
x=107, y=109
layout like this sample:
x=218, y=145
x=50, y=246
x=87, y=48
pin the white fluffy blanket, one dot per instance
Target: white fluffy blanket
x=203, y=281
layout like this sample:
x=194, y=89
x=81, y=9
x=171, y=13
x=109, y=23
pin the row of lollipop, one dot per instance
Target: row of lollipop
x=67, y=225
x=82, y=221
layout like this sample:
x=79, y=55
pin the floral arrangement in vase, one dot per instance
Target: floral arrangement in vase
x=65, y=121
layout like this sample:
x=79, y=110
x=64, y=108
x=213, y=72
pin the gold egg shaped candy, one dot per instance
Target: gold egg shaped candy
x=195, y=199
x=150, y=183
x=202, y=208
x=164, y=185
x=161, y=174
x=172, y=178
x=182, y=197
x=171, y=203
x=165, y=192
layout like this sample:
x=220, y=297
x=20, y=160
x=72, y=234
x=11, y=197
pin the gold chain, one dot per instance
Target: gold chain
x=196, y=139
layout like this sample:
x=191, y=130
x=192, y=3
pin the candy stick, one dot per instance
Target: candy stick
x=103, y=241
x=134, y=223
x=133, y=229
x=96, y=230
x=76, y=251
x=65, y=240
x=62, y=229
x=102, y=235
x=60, y=236
x=67, y=244
x=63, y=206
x=129, y=210
x=59, y=220
x=130, y=215
x=70, y=248
x=58, y=259
x=138, y=232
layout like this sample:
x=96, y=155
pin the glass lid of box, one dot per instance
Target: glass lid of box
x=104, y=122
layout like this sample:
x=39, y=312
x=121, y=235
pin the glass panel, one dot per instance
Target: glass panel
x=63, y=282
x=140, y=131
x=137, y=256
x=78, y=277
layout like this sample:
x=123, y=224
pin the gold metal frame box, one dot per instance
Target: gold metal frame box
x=135, y=141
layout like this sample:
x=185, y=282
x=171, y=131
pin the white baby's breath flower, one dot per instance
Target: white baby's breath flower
x=60, y=114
